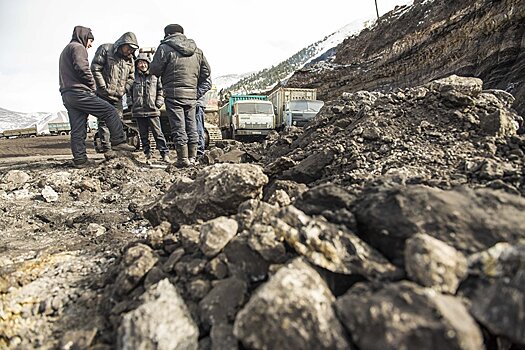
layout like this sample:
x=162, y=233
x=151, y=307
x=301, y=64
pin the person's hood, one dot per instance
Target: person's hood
x=179, y=42
x=142, y=57
x=126, y=38
x=80, y=35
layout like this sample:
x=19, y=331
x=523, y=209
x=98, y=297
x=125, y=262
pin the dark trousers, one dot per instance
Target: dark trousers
x=199, y=116
x=145, y=123
x=103, y=129
x=181, y=114
x=79, y=105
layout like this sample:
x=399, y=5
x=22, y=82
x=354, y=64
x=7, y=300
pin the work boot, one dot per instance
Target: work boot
x=166, y=158
x=82, y=164
x=148, y=156
x=123, y=147
x=192, y=152
x=182, y=156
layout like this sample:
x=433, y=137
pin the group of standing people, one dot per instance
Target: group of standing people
x=178, y=76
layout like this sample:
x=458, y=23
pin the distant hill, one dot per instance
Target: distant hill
x=16, y=120
x=321, y=50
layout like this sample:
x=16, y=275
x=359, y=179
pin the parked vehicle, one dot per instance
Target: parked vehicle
x=92, y=124
x=22, y=132
x=246, y=115
x=294, y=106
x=59, y=128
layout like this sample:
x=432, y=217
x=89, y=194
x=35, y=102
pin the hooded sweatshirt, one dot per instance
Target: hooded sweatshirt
x=181, y=65
x=113, y=72
x=73, y=68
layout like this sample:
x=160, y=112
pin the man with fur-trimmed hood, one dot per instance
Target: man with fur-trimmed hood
x=182, y=67
x=113, y=68
x=77, y=87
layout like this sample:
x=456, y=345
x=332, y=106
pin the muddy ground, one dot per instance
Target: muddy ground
x=50, y=261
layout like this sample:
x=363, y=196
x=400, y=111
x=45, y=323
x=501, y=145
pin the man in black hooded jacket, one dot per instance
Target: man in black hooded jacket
x=182, y=67
x=77, y=87
x=113, y=69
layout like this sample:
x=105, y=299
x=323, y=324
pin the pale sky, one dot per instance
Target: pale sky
x=236, y=36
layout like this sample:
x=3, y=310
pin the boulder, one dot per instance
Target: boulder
x=434, y=264
x=332, y=247
x=14, y=180
x=293, y=310
x=135, y=264
x=161, y=322
x=496, y=290
x=311, y=168
x=243, y=261
x=468, y=220
x=221, y=304
x=405, y=316
x=215, y=235
x=216, y=191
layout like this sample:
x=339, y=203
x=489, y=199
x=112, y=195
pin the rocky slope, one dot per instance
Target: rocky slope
x=392, y=219
x=430, y=40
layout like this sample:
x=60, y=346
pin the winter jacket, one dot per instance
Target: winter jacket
x=202, y=89
x=73, y=69
x=113, y=72
x=146, y=94
x=181, y=66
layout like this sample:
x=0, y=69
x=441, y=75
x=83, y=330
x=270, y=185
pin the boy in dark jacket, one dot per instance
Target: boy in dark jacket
x=146, y=99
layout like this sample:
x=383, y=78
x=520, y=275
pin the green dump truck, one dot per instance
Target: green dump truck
x=59, y=128
x=246, y=115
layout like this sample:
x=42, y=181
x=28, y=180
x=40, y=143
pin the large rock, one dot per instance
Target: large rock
x=499, y=123
x=332, y=247
x=293, y=310
x=434, y=264
x=255, y=211
x=217, y=191
x=497, y=290
x=465, y=85
x=406, y=316
x=222, y=302
x=329, y=200
x=312, y=167
x=14, y=179
x=161, y=322
x=469, y=220
x=215, y=235
x=135, y=264
x=243, y=261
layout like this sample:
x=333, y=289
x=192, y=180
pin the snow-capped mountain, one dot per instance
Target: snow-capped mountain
x=225, y=81
x=323, y=49
x=17, y=120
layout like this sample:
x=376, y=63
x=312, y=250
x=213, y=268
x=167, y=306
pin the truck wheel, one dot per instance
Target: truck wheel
x=63, y=133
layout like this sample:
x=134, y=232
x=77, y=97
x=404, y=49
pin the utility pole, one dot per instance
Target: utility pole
x=377, y=11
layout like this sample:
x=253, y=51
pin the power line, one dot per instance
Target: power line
x=377, y=11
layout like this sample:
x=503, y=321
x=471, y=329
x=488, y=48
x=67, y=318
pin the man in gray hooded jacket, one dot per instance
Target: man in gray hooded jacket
x=77, y=87
x=182, y=67
x=113, y=68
